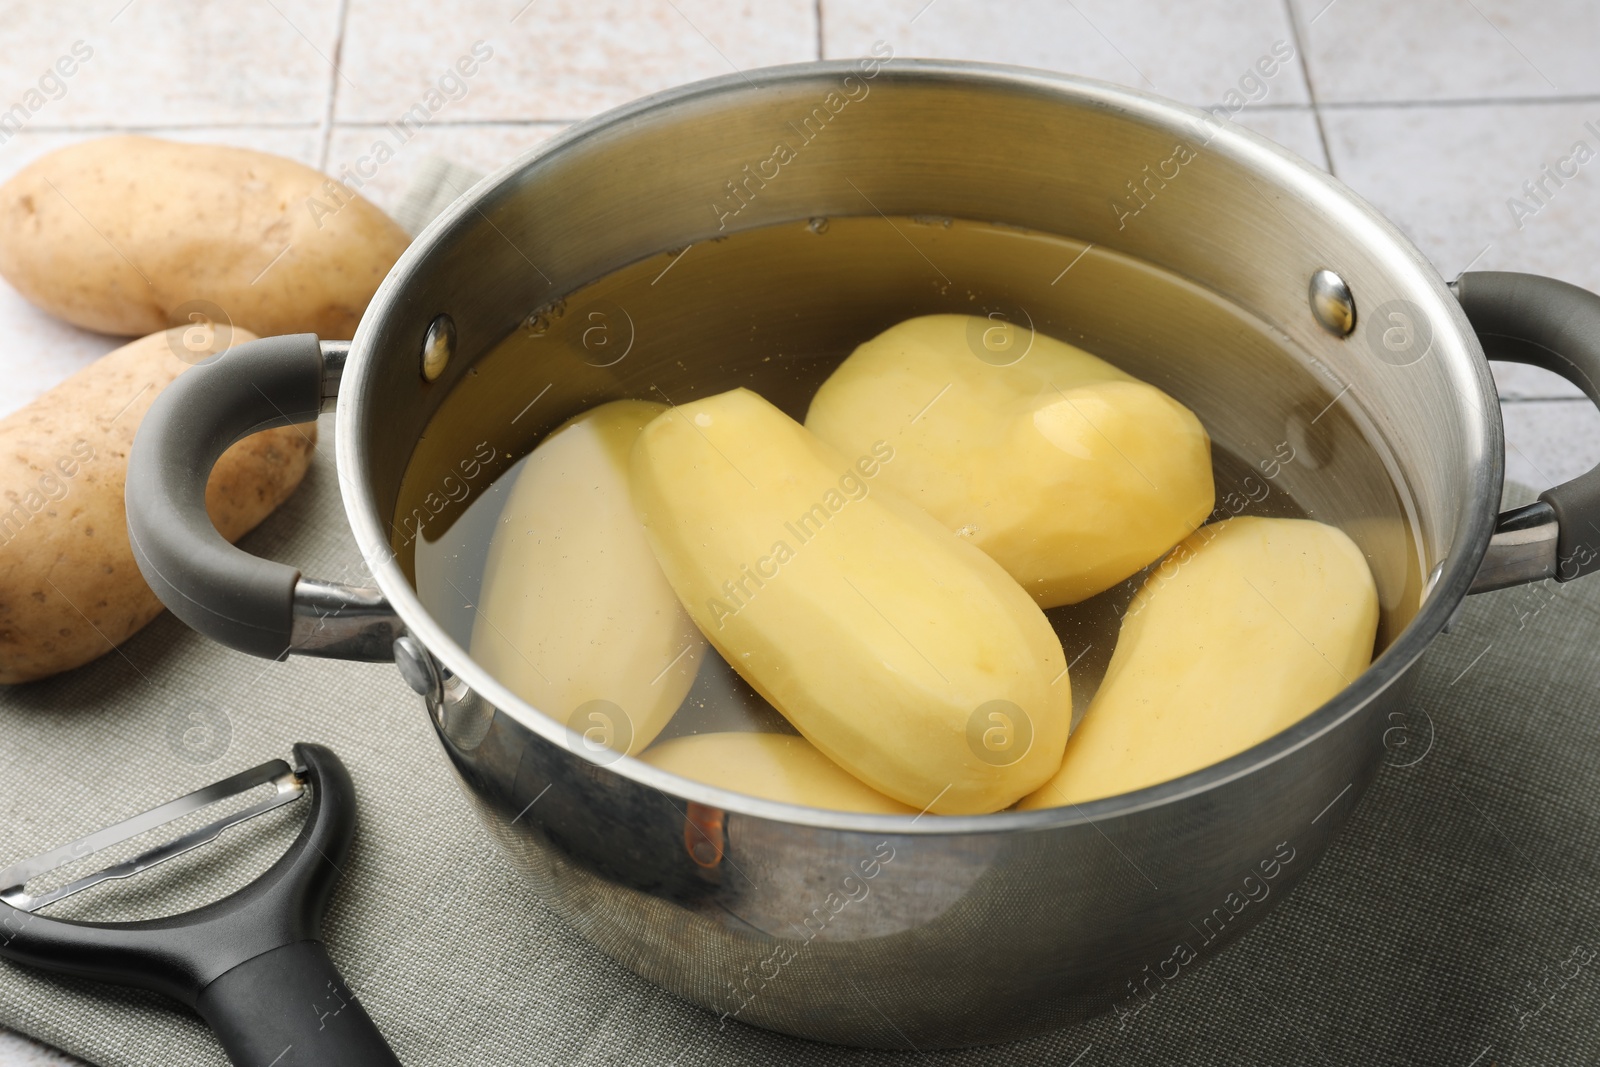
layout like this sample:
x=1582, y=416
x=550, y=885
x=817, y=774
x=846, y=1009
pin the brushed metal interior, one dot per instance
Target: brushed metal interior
x=878, y=930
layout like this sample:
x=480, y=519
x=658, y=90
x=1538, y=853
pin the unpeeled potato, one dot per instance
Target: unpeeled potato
x=772, y=766
x=576, y=616
x=1249, y=626
x=902, y=652
x=1072, y=474
x=129, y=235
x=69, y=587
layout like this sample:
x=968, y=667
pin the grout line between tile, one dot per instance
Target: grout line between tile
x=125, y=127
x=325, y=129
x=378, y=124
x=1253, y=108
x=820, y=49
x=1464, y=101
x=1311, y=86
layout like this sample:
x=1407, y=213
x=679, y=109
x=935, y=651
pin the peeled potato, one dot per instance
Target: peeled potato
x=576, y=616
x=69, y=588
x=772, y=766
x=904, y=654
x=127, y=235
x=1250, y=625
x=1070, y=473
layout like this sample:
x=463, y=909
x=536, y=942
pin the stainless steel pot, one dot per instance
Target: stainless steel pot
x=894, y=931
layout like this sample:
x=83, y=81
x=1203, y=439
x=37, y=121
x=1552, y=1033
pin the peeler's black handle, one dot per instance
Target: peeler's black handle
x=289, y=1007
x=251, y=963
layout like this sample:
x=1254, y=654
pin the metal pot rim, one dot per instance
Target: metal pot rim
x=1266, y=158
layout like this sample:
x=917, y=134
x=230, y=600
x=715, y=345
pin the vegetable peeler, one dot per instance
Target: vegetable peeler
x=251, y=964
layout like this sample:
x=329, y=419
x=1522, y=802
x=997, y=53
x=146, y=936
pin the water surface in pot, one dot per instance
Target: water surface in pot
x=776, y=309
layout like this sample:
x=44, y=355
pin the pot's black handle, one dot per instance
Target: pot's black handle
x=1526, y=318
x=224, y=592
x=245, y=602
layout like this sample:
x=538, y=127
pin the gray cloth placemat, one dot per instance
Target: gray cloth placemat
x=1445, y=925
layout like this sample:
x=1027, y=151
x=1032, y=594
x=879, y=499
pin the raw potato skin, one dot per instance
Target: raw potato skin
x=574, y=606
x=1248, y=627
x=185, y=222
x=886, y=640
x=1070, y=473
x=69, y=588
x=778, y=767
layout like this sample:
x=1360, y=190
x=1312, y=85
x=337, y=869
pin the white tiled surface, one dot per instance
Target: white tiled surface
x=1190, y=51
x=1381, y=51
x=558, y=59
x=158, y=64
x=1435, y=110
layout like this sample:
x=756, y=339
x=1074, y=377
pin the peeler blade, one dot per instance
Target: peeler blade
x=288, y=786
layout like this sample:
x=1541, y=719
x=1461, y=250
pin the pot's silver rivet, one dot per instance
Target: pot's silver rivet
x=437, y=347
x=1331, y=303
x=417, y=667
